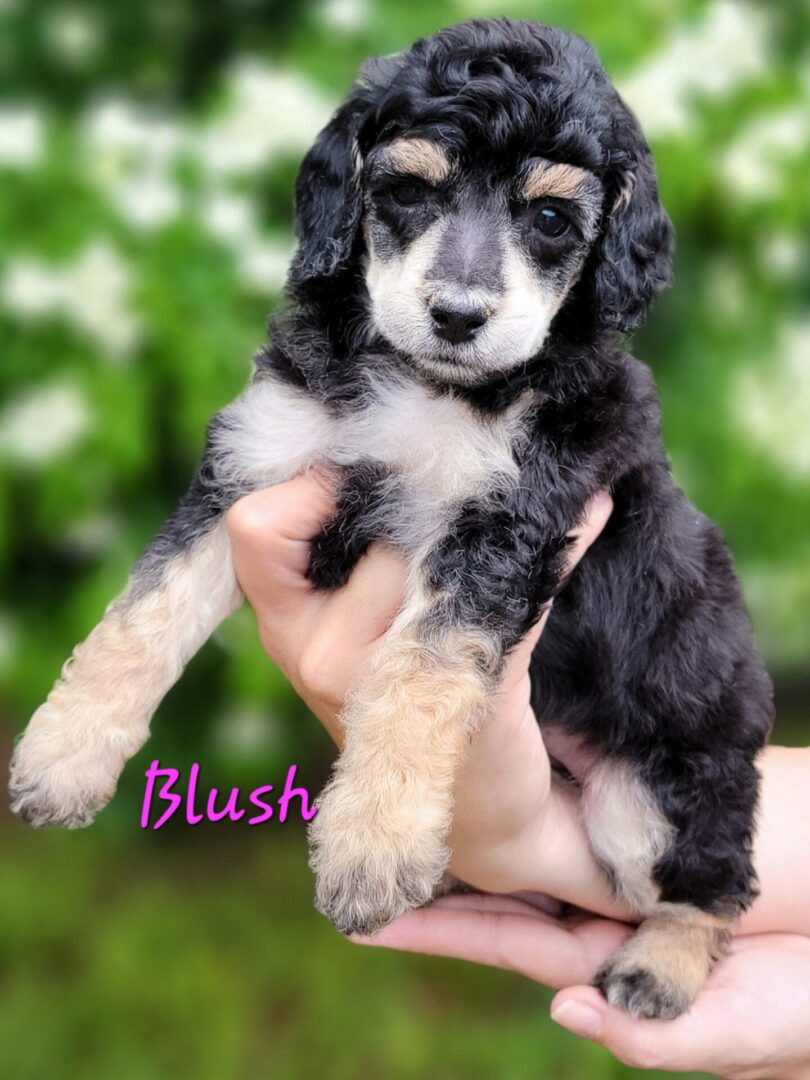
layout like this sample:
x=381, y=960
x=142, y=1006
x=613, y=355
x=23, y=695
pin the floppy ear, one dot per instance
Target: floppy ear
x=327, y=198
x=634, y=257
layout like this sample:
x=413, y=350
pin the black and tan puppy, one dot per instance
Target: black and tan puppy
x=478, y=224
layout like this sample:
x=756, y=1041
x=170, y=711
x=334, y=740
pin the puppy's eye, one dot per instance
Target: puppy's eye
x=552, y=223
x=409, y=193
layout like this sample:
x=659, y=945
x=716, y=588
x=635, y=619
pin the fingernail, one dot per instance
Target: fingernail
x=580, y=1019
x=369, y=939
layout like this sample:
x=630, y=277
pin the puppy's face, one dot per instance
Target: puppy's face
x=467, y=267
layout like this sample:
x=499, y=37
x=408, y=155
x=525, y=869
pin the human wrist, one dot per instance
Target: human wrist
x=546, y=853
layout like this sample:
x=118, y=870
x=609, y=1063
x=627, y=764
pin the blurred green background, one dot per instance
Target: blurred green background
x=147, y=156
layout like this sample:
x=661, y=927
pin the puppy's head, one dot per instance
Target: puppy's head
x=483, y=181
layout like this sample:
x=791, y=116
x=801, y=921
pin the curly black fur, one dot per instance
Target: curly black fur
x=478, y=225
x=647, y=656
x=648, y=653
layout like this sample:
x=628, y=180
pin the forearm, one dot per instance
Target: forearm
x=551, y=854
x=782, y=844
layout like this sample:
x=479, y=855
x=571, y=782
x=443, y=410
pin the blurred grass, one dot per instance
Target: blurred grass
x=204, y=959
x=147, y=156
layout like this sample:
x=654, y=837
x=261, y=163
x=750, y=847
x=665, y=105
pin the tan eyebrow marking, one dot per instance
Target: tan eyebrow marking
x=419, y=157
x=556, y=180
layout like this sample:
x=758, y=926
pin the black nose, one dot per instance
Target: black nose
x=457, y=324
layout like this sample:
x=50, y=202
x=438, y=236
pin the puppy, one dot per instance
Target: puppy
x=478, y=226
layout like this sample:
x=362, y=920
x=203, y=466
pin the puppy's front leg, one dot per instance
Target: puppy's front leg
x=379, y=836
x=66, y=766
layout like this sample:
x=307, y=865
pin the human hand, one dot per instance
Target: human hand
x=751, y=1020
x=515, y=829
x=507, y=809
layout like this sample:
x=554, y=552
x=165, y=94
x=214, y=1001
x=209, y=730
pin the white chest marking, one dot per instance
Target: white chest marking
x=443, y=449
x=439, y=444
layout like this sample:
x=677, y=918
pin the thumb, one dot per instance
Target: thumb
x=270, y=532
x=674, y=1045
x=594, y=518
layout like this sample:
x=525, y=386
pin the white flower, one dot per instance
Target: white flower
x=772, y=401
x=92, y=292
x=230, y=217
x=97, y=293
x=782, y=253
x=44, y=422
x=246, y=732
x=753, y=165
x=146, y=199
x=131, y=154
x=92, y=534
x=345, y=16
x=122, y=130
x=21, y=137
x=263, y=265
x=31, y=289
x=268, y=110
x=726, y=49
x=72, y=34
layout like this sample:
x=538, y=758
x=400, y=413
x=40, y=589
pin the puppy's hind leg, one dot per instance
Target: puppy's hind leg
x=65, y=768
x=688, y=883
x=660, y=970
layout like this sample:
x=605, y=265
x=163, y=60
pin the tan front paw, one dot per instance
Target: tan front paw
x=54, y=781
x=369, y=869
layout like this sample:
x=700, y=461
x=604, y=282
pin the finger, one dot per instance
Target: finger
x=270, y=532
x=542, y=902
x=365, y=607
x=329, y=653
x=498, y=903
x=689, y=1042
x=524, y=943
x=517, y=662
x=595, y=517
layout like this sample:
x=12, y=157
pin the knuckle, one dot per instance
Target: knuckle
x=313, y=668
x=251, y=518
